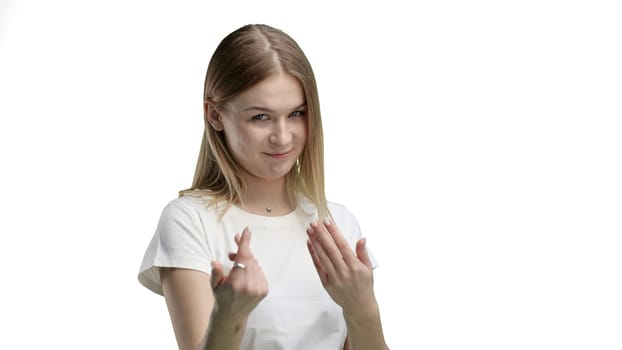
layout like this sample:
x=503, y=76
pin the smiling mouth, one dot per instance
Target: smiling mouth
x=278, y=155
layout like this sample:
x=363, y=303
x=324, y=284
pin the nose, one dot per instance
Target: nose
x=280, y=133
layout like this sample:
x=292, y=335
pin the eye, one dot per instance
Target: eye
x=260, y=117
x=297, y=114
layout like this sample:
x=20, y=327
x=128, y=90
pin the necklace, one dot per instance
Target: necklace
x=269, y=210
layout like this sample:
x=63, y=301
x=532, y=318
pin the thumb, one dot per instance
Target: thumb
x=361, y=252
x=218, y=274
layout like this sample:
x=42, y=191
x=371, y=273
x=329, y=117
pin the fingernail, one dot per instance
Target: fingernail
x=327, y=222
x=309, y=231
x=313, y=224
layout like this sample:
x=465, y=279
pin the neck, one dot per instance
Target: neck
x=268, y=198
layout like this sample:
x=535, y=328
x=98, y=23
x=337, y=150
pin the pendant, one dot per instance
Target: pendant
x=269, y=210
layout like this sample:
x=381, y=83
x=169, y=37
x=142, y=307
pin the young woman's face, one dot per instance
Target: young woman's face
x=266, y=127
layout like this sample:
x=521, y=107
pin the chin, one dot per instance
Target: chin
x=276, y=175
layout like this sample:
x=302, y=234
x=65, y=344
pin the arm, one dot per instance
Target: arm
x=348, y=279
x=190, y=300
x=211, y=313
x=364, y=326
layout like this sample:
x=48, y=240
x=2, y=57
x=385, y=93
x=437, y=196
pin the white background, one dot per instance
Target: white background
x=479, y=144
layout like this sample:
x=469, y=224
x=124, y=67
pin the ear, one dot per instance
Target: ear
x=212, y=116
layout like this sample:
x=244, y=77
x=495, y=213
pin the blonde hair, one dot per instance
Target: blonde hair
x=242, y=59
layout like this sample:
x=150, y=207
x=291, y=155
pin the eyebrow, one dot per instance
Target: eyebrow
x=264, y=109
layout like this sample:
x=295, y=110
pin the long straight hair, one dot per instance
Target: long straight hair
x=242, y=59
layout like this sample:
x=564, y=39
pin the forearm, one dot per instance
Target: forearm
x=365, y=329
x=223, y=333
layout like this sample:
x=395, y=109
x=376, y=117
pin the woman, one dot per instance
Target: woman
x=303, y=278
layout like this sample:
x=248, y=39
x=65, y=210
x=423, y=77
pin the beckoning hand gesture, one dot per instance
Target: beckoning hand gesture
x=238, y=293
x=346, y=276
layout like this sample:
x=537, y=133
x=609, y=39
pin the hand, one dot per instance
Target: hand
x=238, y=293
x=346, y=276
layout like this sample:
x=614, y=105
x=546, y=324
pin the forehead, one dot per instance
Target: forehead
x=276, y=92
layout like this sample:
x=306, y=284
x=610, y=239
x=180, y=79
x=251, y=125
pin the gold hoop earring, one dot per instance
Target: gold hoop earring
x=297, y=166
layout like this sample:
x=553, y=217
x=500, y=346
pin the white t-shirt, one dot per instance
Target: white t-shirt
x=297, y=313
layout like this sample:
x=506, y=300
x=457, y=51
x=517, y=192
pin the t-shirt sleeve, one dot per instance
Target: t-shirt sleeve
x=350, y=228
x=179, y=241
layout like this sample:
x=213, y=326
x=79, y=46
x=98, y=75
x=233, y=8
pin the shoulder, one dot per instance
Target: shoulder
x=338, y=210
x=187, y=204
x=345, y=220
x=184, y=216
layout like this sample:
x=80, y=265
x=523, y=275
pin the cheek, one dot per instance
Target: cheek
x=240, y=141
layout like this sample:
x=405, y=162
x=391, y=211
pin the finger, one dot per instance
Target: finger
x=329, y=246
x=244, y=250
x=361, y=252
x=218, y=274
x=316, y=262
x=237, y=239
x=340, y=241
x=323, y=257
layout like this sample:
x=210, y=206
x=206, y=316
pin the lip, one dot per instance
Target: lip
x=278, y=155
